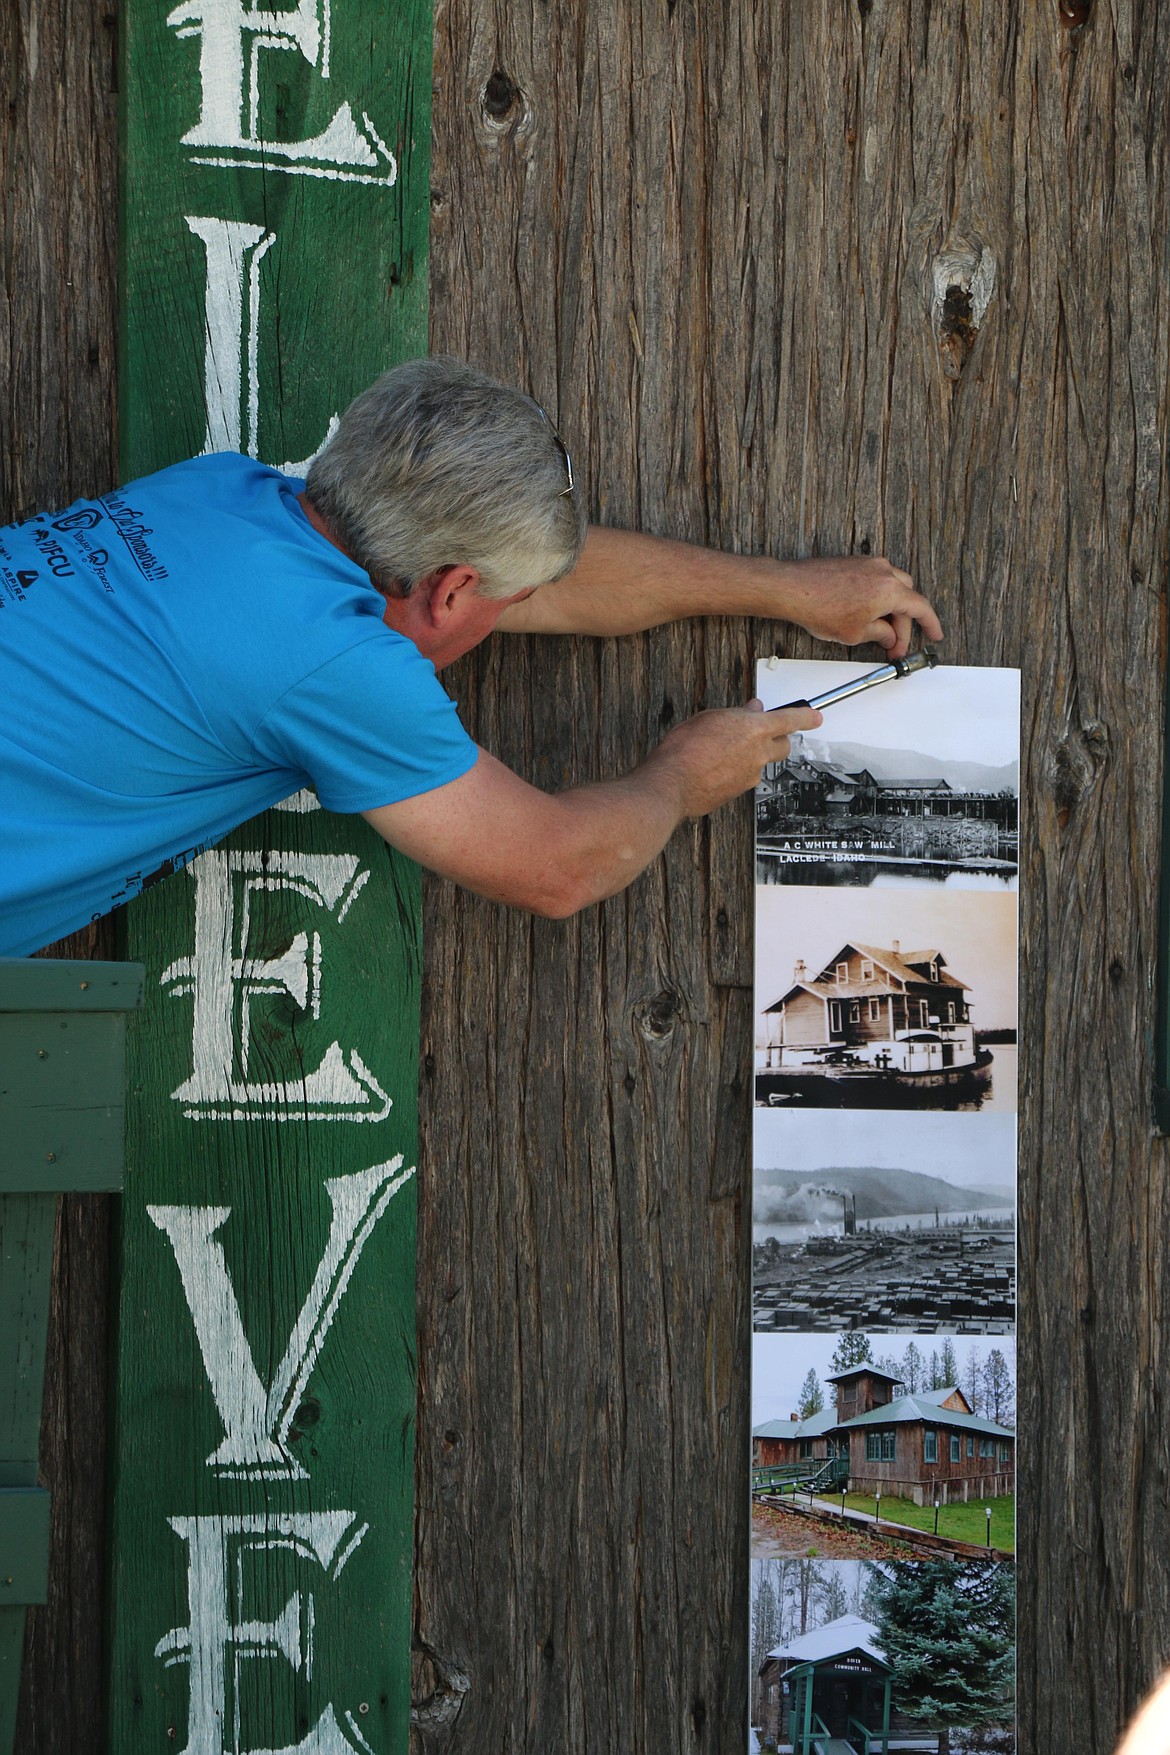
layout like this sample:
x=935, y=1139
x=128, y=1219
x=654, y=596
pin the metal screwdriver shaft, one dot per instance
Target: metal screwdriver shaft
x=899, y=667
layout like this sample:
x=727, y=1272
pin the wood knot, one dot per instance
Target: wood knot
x=962, y=284
x=447, y=1684
x=1076, y=765
x=656, y=1018
x=502, y=99
x=1074, y=13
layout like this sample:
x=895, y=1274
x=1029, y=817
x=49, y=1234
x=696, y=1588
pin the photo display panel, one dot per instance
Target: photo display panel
x=884, y=1218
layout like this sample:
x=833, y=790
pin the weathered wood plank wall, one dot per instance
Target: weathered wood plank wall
x=718, y=242
x=707, y=237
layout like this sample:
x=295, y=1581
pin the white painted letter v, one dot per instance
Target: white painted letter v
x=257, y=1419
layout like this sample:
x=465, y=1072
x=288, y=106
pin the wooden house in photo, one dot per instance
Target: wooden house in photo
x=924, y=1447
x=801, y=787
x=874, y=1008
x=777, y=1443
x=830, y=1689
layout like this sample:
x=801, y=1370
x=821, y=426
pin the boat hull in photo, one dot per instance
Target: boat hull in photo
x=845, y=1086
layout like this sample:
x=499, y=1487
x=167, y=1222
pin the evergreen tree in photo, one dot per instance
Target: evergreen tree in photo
x=812, y=1396
x=999, y=1390
x=834, y=1598
x=972, y=1381
x=767, y=1630
x=948, y=1632
x=948, y=1365
x=851, y=1349
x=912, y=1369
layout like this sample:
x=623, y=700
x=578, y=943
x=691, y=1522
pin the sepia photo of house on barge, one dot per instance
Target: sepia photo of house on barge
x=875, y=1026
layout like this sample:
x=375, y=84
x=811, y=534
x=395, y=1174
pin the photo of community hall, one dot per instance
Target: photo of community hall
x=927, y=1447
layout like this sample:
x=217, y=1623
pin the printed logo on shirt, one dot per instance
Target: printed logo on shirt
x=53, y=555
x=127, y=521
x=16, y=584
x=99, y=560
x=83, y=519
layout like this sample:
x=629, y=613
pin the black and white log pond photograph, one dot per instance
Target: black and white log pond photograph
x=905, y=1221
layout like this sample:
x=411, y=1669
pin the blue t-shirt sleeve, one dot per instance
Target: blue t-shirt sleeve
x=370, y=726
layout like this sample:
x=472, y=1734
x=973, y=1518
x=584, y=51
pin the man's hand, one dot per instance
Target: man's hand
x=719, y=754
x=625, y=582
x=502, y=838
x=855, y=598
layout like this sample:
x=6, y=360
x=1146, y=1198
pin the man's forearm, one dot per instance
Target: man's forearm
x=554, y=854
x=626, y=582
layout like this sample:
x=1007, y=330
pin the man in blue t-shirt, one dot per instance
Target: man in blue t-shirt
x=189, y=650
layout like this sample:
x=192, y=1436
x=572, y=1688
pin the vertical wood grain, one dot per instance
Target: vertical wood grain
x=744, y=254
x=704, y=233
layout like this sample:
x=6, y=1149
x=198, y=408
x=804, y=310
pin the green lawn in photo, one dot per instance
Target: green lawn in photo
x=962, y=1523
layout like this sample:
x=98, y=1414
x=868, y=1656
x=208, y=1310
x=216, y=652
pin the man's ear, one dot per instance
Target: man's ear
x=447, y=591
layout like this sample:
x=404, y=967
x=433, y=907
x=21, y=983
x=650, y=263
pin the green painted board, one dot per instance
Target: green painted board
x=266, y=1371
x=24, y=1545
x=61, y=1101
x=274, y=250
x=44, y=984
x=27, y=1224
x=275, y=217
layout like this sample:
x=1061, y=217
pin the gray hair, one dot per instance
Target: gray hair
x=438, y=465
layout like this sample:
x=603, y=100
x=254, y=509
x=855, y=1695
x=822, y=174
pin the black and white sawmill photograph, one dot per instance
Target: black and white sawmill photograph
x=913, y=782
x=884, y=999
x=896, y=1222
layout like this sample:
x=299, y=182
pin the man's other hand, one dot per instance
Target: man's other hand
x=625, y=582
x=852, y=599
